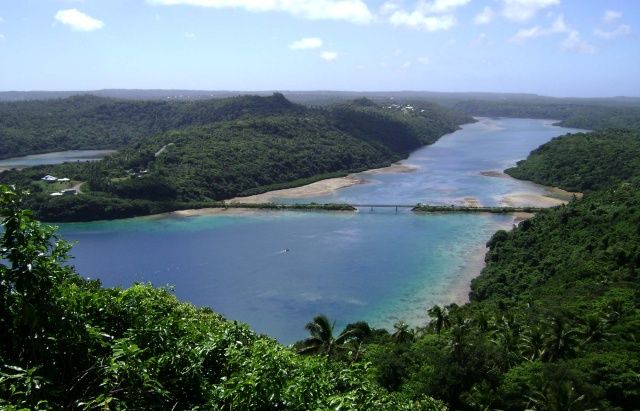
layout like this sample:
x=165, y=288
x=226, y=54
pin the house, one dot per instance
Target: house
x=56, y=194
x=64, y=180
x=70, y=192
x=49, y=178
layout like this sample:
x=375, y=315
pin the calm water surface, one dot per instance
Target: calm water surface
x=57, y=157
x=377, y=266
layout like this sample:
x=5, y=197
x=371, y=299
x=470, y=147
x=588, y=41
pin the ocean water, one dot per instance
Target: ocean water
x=276, y=270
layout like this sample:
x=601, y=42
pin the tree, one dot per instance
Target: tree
x=322, y=340
x=403, y=334
x=561, y=341
x=440, y=319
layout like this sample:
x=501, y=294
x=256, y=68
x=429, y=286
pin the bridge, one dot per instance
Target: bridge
x=419, y=208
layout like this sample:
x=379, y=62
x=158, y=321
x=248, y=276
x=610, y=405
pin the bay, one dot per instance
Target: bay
x=276, y=270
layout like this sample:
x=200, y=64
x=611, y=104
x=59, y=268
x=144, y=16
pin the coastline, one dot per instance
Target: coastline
x=318, y=188
x=461, y=287
x=322, y=187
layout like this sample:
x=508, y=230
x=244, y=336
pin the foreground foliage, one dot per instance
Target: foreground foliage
x=68, y=343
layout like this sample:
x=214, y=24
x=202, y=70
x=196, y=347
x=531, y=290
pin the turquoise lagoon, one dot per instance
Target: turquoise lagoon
x=276, y=270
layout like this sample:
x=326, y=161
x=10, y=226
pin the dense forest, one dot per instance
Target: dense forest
x=90, y=122
x=248, y=145
x=583, y=161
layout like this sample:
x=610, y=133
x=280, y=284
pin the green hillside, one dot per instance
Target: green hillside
x=255, y=145
x=90, y=122
x=583, y=161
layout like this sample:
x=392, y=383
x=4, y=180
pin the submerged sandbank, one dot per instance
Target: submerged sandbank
x=322, y=187
x=319, y=188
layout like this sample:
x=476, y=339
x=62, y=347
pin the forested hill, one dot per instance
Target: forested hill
x=583, y=161
x=255, y=145
x=575, y=115
x=90, y=122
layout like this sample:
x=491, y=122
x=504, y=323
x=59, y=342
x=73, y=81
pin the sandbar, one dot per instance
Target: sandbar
x=319, y=188
x=393, y=168
x=494, y=173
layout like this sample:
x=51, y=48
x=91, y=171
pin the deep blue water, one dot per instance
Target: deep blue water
x=376, y=266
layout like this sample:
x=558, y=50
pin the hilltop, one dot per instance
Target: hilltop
x=217, y=149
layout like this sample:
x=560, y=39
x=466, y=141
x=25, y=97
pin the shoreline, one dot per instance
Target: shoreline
x=318, y=188
x=461, y=286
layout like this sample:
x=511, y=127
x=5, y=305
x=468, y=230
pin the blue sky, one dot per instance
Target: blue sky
x=552, y=47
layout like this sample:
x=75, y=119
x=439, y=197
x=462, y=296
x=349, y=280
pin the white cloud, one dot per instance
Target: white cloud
x=329, y=55
x=77, y=20
x=620, y=31
x=524, y=10
x=432, y=15
x=424, y=60
x=575, y=43
x=406, y=65
x=485, y=16
x=355, y=11
x=1, y=20
x=2, y=37
x=306, y=43
x=418, y=20
x=558, y=26
x=440, y=6
x=611, y=16
x=190, y=35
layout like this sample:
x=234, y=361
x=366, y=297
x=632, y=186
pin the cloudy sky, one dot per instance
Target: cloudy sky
x=551, y=47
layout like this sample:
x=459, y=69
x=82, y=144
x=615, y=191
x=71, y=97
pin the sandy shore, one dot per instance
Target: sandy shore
x=471, y=202
x=551, y=198
x=393, y=168
x=493, y=173
x=319, y=188
x=475, y=263
x=322, y=187
x=211, y=211
x=459, y=291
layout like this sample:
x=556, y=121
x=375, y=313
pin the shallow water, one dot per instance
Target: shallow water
x=276, y=270
x=57, y=157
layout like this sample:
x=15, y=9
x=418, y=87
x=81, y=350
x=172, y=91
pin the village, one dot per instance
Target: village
x=70, y=189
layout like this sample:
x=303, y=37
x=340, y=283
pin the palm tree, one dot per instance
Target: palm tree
x=555, y=397
x=321, y=340
x=594, y=329
x=440, y=318
x=561, y=341
x=403, y=333
x=532, y=343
